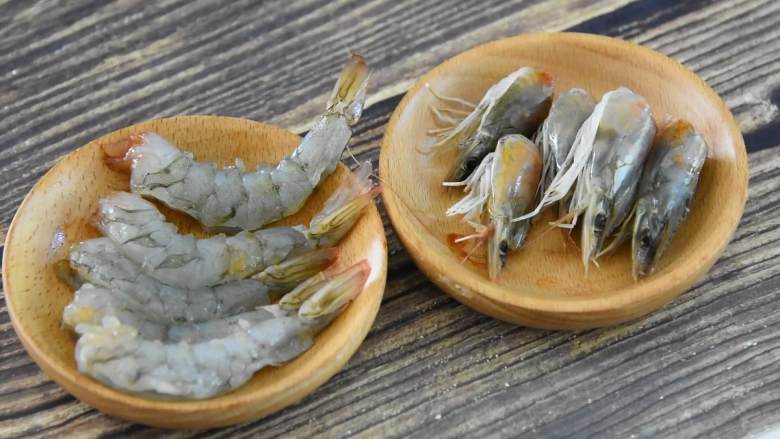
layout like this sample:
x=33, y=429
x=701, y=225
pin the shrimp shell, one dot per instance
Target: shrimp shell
x=669, y=181
x=559, y=131
x=517, y=168
x=503, y=186
x=603, y=166
x=518, y=103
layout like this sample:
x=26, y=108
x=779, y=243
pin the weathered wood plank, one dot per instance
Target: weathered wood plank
x=707, y=365
x=73, y=71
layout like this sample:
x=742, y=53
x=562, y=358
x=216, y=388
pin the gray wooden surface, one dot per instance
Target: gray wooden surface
x=707, y=365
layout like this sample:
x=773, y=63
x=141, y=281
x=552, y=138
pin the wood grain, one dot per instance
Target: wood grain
x=73, y=71
x=704, y=366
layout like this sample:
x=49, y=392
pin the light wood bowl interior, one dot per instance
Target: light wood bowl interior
x=544, y=284
x=56, y=214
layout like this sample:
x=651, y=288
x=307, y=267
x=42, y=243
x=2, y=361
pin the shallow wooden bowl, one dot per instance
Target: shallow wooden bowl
x=544, y=284
x=56, y=213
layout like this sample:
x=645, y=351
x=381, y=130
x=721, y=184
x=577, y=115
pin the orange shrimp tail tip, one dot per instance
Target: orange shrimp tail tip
x=117, y=157
x=337, y=293
x=356, y=67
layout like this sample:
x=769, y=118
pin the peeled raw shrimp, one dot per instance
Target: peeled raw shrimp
x=507, y=187
x=91, y=303
x=214, y=358
x=100, y=262
x=559, y=130
x=231, y=198
x=517, y=103
x=605, y=163
x=668, y=183
x=180, y=260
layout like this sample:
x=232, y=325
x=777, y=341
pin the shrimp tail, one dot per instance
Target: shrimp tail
x=343, y=208
x=327, y=292
x=335, y=294
x=349, y=94
x=286, y=275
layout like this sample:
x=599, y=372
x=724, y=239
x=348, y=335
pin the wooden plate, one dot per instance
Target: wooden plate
x=56, y=213
x=544, y=284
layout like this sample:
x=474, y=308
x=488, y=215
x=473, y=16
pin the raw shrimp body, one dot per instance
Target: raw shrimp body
x=607, y=188
x=231, y=198
x=91, y=303
x=147, y=239
x=668, y=184
x=605, y=163
x=516, y=104
x=559, y=131
x=505, y=186
x=517, y=167
x=101, y=263
x=184, y=261
x=214, y=357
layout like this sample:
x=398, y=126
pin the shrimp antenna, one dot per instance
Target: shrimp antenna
x=450, y=99
x=443, y=119
x=438, y=131
x=472, y=251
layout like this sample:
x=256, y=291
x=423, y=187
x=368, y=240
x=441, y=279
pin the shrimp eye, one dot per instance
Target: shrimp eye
x=471, y=163
x=503, y=248
x=645, y=240
x=600, y=222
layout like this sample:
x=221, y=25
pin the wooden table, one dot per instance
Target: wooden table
x=707, y=365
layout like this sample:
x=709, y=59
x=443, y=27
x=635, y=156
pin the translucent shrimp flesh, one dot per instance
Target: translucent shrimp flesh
x=668, y=183
x=143, y=236
x=231, y=198
x=101, y=263
x=214, y=357
x=517, y=104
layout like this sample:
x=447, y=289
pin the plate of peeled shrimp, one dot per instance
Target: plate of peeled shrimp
x=199, y=271
x=563, y=180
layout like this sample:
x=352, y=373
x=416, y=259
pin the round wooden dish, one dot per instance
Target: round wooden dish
x=56, y=213
x=544, y=284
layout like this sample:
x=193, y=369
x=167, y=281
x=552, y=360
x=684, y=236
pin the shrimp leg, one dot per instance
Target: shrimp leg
x=230, y=198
